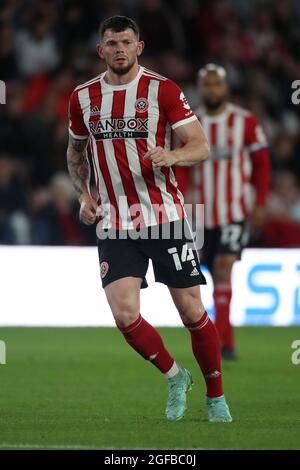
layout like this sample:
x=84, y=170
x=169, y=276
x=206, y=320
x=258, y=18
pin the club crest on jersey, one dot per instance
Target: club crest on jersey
x=103, y=269
x=141, y=105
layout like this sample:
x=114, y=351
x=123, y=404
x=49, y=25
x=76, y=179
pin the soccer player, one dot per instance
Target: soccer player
x=126, y=115
x=224, y=183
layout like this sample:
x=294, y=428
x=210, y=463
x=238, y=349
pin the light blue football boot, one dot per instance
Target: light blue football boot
x=179, y=385
x=218, y=411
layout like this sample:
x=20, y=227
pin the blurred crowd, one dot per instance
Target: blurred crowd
x=47, y=47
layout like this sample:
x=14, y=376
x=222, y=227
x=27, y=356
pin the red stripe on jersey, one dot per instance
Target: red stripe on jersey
x=229, y=169
x=123, y=164
x=96, y=98
x=146, y=165
x=213, y=141
x=160, y=142
x=77, y=103
x=243, y=182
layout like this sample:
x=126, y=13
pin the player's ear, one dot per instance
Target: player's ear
x=140, y=47
x=99, y=49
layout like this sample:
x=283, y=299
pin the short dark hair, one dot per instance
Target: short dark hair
x=117, y=24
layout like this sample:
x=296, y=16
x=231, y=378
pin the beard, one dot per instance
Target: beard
x=122, y=70
x=213, y=105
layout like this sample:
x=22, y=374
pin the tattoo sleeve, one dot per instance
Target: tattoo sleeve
x=78, y=165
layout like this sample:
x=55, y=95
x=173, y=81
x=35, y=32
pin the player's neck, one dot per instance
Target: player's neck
x=216, y=112
x=112, y=78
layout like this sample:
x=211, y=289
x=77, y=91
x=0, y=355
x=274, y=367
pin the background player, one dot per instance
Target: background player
x=238, y=163
x=126, y=114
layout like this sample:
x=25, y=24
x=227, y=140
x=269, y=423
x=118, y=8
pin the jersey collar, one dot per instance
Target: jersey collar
x=121, y=87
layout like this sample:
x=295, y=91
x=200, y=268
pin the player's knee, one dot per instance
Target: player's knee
x=124, y=320
x=191, y=315
x=124, y=309
x=191, y=309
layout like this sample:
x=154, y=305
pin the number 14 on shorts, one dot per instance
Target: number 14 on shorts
x=186, y=255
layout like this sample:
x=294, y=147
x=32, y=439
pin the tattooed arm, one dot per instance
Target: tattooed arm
x=78, y=165
x=80, y=173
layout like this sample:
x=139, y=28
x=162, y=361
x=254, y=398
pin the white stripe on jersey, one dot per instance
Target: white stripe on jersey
x=258, y=146
x=238, y=132
x=85, y=102
x=184, y=121
x=168, y=137
x=159, y=177
x=248, y=191
x=221, y=173
x=135, y=164
x=106, y=110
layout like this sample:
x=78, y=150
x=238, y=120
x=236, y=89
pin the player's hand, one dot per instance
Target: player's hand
x=88, y=209
x=160, y=157
x=257, y=218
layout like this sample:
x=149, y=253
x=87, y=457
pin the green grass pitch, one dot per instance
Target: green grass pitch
x=85, y=388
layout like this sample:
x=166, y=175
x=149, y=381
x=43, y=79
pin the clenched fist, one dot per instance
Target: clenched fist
x=88, y=209
x=160, y=157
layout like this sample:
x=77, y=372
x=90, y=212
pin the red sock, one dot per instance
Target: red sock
x=222, y=299
x=206, y=349
x=146, y=340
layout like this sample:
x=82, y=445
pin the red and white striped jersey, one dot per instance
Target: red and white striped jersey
x=122, y=123
x=223, y=182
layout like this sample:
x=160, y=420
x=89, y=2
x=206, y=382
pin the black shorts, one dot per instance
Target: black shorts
x=230, y=239
x=175, y=262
